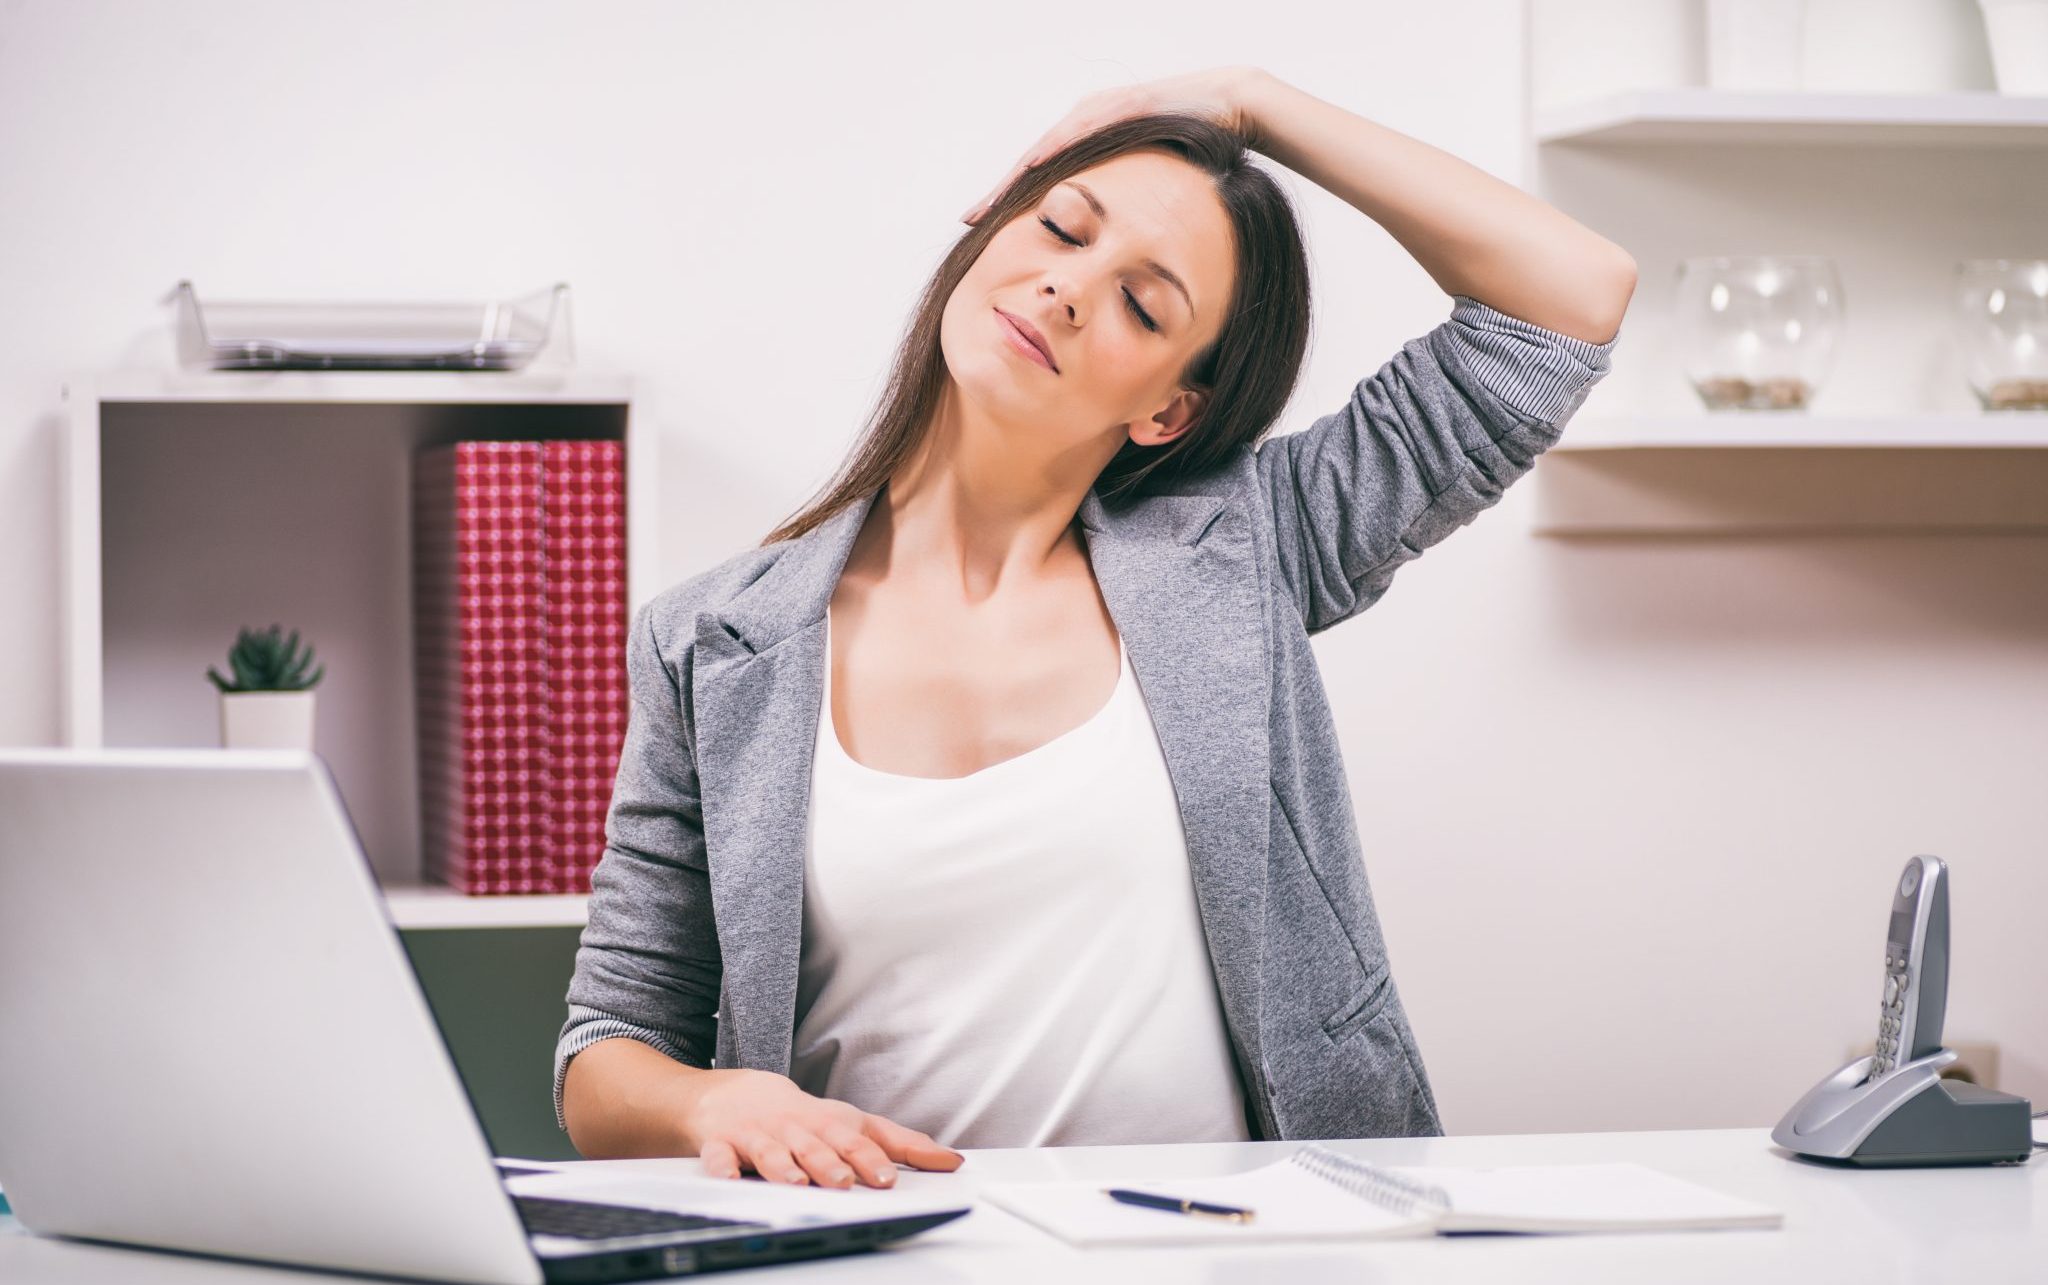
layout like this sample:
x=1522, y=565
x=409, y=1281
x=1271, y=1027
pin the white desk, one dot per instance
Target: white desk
x=1924, y=1226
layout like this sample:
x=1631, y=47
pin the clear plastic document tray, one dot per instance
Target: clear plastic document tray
x=492, y=335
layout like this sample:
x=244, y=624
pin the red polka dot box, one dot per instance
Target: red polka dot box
x=519, y=599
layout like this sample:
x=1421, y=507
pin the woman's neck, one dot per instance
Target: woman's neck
x=981, y=506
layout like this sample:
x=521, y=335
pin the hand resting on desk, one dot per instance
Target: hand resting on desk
x=765, y=1120
x=622, y=1098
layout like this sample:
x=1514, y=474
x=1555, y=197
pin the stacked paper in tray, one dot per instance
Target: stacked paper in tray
x=519, y=598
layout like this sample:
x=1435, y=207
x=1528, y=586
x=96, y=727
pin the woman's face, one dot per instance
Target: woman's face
x=1080, y=268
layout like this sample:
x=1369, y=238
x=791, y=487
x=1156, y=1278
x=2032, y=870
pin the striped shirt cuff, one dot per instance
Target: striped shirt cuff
x=580, y=1037
x=1537, y=372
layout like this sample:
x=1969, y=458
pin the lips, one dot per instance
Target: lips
x=1031, y=336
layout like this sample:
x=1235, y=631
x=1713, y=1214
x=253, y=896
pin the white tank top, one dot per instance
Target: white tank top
x=1013, y=958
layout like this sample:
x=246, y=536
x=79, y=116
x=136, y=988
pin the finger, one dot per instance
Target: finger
x=988, y=202
x=1082, y=120
x=1070, y=127
x=911, y=1147
x=772, y=1160
x=979, y=208
x=868, y=1160
x=720, y=1160
x=822, y=1162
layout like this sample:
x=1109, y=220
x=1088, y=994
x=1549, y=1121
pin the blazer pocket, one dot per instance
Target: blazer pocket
x=1361, y=1007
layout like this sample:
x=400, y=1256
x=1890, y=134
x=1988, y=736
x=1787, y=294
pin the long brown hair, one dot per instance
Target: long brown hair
x=1248, y=372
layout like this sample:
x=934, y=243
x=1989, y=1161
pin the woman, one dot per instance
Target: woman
x=995, y=801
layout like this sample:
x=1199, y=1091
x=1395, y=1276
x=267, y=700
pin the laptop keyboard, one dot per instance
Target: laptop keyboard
x=582, y=1220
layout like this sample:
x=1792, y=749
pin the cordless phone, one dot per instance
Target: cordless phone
x=1894, y=1107
x=1915, y=967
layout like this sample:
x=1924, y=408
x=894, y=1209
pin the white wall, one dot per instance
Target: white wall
x=1631, y=807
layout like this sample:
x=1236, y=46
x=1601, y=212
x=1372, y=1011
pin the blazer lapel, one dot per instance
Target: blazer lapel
x=758, y=683
x=1181, y=582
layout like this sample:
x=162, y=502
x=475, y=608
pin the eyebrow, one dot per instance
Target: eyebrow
x=1154, y=266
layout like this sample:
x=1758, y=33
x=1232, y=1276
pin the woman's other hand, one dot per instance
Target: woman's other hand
x=745, y=1119
x=1214, y=93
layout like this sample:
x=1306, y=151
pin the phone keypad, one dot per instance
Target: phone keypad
x=1890, y=1014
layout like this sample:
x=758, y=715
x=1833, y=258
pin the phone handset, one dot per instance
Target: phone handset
x=1915, y=967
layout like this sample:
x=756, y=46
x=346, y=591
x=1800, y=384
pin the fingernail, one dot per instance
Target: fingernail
x=887, y=1173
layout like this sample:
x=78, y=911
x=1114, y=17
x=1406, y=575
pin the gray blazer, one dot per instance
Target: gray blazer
x=696, y=906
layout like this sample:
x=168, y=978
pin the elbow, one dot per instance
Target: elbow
x=1621, y=289
x=1599, y=322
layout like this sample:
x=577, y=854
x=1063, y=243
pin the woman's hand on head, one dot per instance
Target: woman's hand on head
x=762, y=1121
x=1214, y=92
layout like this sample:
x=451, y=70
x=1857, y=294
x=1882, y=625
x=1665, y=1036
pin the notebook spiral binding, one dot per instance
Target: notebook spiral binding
x=1390, y=1191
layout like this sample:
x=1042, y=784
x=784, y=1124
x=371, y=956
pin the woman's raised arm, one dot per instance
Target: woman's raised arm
x=1476, y=235
x=1438, y=432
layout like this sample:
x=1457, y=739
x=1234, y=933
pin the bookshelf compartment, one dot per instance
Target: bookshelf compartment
x=191, y=514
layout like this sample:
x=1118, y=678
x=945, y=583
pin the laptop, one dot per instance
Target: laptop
x=215, y=1043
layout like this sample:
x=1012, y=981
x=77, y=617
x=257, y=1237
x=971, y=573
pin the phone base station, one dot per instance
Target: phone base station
x=1907, y=1117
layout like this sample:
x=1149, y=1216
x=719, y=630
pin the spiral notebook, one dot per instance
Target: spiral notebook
x=1317, y=1193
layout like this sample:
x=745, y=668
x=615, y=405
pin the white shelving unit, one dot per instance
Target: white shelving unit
x=196, y=502
x=1736, y=471
x=1693, y=115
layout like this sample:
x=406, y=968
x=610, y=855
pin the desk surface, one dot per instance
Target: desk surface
x=1923, y=1226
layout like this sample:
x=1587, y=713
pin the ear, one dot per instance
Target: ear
x=1172, y=422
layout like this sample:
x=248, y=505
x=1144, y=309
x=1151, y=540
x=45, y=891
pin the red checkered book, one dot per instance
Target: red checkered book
x=583, y=488
x=480, y=671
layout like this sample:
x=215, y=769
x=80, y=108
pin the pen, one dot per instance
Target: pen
x=1176, y=1205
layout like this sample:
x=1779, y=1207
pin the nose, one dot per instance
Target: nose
x=1063, y=298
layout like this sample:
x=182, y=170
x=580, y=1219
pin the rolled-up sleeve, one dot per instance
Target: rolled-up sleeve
x=1422, y=446
x=648, y=964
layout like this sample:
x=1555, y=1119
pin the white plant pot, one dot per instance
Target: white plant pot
x=2018, y=33
x=266, y=720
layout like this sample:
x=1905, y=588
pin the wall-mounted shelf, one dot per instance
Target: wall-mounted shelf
x=1791, y=472
x=198, y=501
x=1790, y=429
x=1697, y=115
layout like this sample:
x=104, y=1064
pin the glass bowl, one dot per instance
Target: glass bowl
x=2002, y=331
x=1758, y=332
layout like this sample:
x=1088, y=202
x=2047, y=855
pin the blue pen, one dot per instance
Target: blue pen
x=1176, y=1205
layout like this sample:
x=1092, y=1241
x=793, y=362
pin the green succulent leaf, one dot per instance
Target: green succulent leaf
x=268, y=660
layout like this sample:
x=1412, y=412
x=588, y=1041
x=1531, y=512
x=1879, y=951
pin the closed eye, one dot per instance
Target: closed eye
x=1129, y=298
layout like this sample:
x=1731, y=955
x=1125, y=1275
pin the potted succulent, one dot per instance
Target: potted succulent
x=269, y=705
